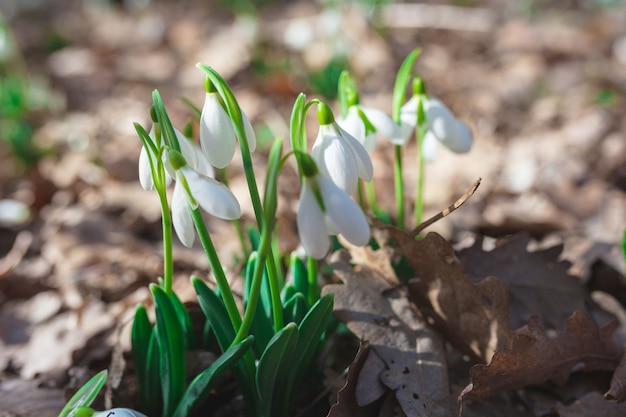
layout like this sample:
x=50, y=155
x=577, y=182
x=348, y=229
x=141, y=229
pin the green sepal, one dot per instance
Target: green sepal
x=185, y=322
x=85, y=395
x=295, y=308
x=171, y=340
x=199, y=389
x=140, y=341
x=402, y=82
x=324, y=114
x=273, y=369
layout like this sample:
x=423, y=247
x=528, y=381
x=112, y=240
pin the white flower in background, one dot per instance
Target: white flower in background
x=338, y=215
x=442, y=127
x=340, y=157
x=217, y=134
x=354, y=125
x=192, y=154
x=118, y=412
x=194, y=188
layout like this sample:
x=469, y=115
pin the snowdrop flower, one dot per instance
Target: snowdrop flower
x=338, y=155
x=441, y=124
x=191, y=153
x=194, y=188
x=378, y=122
x=217, y=134
x=118, y=412
x=324, y=210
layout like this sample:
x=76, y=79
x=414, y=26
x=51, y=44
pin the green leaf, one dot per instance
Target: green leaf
x=85, y=395
x=164, y=121
x=185, y=322
x=300, y=275
x=262, y=322
x=172, y=350
x=311, y=329
x=296, y=125
x=295, y=308
x=154, y=397
x=140, y=341
x=402, y=81
x=273, y=369
x=198, y=390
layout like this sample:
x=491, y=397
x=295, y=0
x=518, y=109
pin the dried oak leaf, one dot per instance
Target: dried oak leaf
x=413, y=354
x=537, y=356
x=617, y=390
x=537, y=282
x=592, y=404
x=474, y=317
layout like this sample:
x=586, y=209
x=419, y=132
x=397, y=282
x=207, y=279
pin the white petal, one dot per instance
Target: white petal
x=145, y=174
x=344, y=214
x=429, y=146
x=408, y=121
x=186, y=148
x=383, y=123
x=462, y=141
x=353, y=125
x=311, y=224
x=181, y=217
x=249, y=132
x=202, y=164
x=214, y=197
x=335, y=159
x=440, y=120
x=217, y=136
x=362, y=158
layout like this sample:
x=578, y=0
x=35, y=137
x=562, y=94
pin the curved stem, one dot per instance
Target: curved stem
x=419, y=195
x=216, y=266
x=399, y=186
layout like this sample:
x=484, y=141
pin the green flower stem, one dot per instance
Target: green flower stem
x=313, y=293
x=419, y=195
x=166, y=221
x=216, y=266
x=255, y=289
x=234, y=111
x=399, y=186
x=371, y=195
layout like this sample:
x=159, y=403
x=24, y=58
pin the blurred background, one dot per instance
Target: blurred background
x=542, y=84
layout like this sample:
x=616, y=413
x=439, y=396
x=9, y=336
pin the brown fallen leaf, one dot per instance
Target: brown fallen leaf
x=617, y=391
x=347, y=404
x=592, y=404
x=413, y=354
x=537, y=282
x=537, y=357
x=474, y=317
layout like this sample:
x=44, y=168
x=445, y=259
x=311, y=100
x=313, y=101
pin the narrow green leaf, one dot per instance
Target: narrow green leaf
x=140, y=341
x=262, y=322
x=185, y=322
x=197, y=112
x=85, y=395
x=154, y=397
x=402, y=81
x=295, y=308
x=172, y=348
x=198, y=390
x=272, y=370
x=296, y=125
x=300, y=275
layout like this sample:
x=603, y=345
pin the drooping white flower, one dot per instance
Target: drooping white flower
x=354, y=125
x=217, y=134
x=338, y=215
x=118, y=412
x=442, y=127
x=192, y=154
x=340, y=157
x=194, y=189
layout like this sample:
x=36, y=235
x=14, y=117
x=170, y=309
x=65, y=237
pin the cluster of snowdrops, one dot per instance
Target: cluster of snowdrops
x=270, y=347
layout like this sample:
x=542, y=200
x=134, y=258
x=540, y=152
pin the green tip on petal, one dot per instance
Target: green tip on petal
x=324, y=114
x=176, y=159
x=307, y=165
x=153, y=115
x=209, y=87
